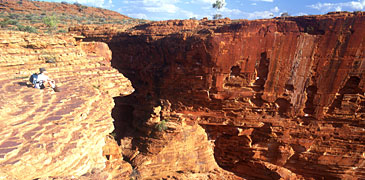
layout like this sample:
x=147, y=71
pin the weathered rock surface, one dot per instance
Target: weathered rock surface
x=56, y=134
x=280, y=98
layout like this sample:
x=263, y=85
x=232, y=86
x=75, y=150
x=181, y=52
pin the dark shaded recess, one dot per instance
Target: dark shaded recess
x=351, y=87
x=262, y=72
x=235, y=26
x=233, y=153
x=289, y=87
x=257, y=100
x=356, y=65
x=310, y=26
x=310, y=170
x=252, y=170
x=235, y=71
x=309, y=106
x=284, y=106
x=159, y=67
x=128, y=119
x=262, y=134
x=123, y=118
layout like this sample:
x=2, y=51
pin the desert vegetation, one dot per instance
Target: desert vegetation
x=56, y=20
x=218, y=4
x=161, y=126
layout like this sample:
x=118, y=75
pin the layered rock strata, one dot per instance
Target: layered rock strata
x=279, y=98
x=55, y=134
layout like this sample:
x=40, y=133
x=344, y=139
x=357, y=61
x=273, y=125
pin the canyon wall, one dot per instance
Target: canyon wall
x=278, y=98
x=56, y=135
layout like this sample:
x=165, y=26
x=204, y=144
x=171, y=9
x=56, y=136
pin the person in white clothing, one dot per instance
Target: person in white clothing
x=41, y=80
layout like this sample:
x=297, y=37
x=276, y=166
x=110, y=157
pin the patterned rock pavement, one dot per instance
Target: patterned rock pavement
x=54, y=134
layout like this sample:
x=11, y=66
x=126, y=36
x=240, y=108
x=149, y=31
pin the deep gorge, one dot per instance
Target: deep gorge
x=279, y=98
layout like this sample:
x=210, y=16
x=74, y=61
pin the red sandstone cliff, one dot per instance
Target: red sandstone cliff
x=278, y=98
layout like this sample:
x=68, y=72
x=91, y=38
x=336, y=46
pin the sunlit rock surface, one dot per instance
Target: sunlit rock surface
x=55, y=134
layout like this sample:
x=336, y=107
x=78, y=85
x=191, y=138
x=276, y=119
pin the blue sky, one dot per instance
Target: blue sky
x=234, y=9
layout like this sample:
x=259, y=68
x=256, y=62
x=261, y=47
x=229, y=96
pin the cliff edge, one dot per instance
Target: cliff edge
x=55, y=134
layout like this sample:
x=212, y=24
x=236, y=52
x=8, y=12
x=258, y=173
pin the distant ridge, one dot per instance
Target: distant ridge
x=31, y=13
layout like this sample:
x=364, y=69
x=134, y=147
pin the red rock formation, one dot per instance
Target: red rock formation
x=280, y=98
x=46, y=134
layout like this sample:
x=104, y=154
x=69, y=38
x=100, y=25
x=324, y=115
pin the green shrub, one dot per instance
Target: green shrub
x=7, y=21
x=12, y=22
x=217, y=16
x=14, y=16
x=161, y=126
x=29, y=29
x=13, y=28
x=31, y=17
x=3, y=24
x=51, y=22
x=114, y=135
x=77, y=4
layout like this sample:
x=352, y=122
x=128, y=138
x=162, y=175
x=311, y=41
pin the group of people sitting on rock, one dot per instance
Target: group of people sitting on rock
x=41, y=80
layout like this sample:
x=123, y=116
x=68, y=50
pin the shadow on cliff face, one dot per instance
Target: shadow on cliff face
x=123, y=117
x=309, y=104
x=234, y=152
x=127, y=117
x=247, y=156
x=350, y=88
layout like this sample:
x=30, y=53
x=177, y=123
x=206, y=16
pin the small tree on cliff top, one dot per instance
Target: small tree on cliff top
x=219, y=4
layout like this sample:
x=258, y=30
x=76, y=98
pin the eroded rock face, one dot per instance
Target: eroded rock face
x=55, y=134
x=279, y=98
